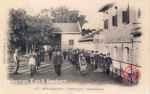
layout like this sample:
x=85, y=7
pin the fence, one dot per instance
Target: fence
x=126, y=71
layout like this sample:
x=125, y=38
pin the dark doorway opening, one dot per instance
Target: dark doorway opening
x=55, y=40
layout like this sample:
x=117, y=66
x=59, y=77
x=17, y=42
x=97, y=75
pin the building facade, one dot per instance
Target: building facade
x=118, y=37
x=119, y=18
x=69, y=34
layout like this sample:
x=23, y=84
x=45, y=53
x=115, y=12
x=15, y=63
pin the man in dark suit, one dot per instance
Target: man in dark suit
x=108, y=63
x=57, y=59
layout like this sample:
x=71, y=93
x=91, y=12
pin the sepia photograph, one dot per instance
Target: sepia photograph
x=85, y=43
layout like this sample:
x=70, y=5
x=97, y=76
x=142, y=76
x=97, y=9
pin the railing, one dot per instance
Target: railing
x=125, y=70
x=123, y=62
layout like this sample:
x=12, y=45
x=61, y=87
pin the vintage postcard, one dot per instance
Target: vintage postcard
x=75, y=47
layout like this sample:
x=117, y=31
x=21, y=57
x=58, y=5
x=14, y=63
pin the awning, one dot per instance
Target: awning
x=86, y=40
x=106, y=7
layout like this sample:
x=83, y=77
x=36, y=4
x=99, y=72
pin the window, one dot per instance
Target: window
x=139, y=13
x=125, y=16
x=106, y=24
x=114, y=20
x=71, y=42
x=115, y=52
x=126, y=54
x=107, y=49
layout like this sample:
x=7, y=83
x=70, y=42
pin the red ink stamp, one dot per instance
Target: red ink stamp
x=131, y=74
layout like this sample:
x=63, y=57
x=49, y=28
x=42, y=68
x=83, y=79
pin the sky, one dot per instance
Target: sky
x=87, y=7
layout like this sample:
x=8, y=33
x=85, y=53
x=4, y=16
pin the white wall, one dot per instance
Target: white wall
x=81, y=45
x=65, y=40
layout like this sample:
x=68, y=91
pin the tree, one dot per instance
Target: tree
x=82, y=20
x=17, y=27
x=65, y=15
x=28, y=31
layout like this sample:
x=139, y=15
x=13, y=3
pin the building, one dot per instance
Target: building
x=120, y=36
x=122, y=46
x=67, y=35
x=118, y=18
x=86, y=41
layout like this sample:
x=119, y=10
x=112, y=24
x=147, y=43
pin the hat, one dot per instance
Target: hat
x=101, y=54
x=104, y=54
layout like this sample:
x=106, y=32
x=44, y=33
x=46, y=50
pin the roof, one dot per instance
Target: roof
x=110, y=37
x=88, y=37
x=106, y=7
x=67, y=27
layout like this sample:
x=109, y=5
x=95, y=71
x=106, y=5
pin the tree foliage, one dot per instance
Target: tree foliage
x=65, y=15
x=26, y=30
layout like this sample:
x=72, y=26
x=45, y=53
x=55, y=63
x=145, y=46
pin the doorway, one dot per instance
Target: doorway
x=55, y=40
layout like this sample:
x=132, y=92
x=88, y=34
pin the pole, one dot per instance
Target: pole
x=132, y=57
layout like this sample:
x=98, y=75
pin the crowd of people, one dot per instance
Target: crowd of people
x=84, y=61
x=88, y=60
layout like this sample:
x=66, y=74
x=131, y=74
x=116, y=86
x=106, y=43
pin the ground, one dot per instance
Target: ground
x=69, y=73
x=74, y=83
